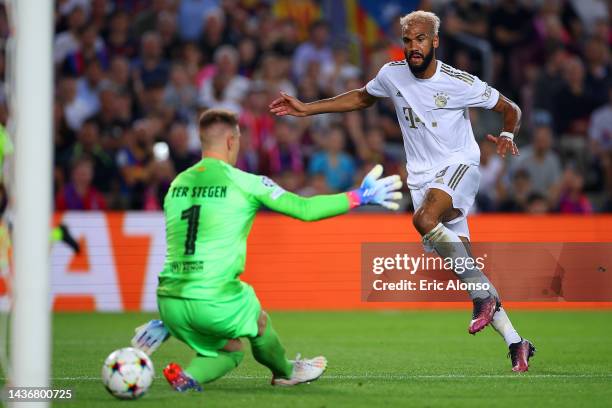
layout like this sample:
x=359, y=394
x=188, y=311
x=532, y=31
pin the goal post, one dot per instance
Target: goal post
x=32, y=112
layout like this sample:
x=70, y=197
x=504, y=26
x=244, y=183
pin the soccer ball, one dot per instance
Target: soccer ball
x=127, y=373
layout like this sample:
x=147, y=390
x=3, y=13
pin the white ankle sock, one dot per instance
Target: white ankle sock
x=501, y=323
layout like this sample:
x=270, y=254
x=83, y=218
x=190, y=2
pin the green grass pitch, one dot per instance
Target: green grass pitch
x=376, y=359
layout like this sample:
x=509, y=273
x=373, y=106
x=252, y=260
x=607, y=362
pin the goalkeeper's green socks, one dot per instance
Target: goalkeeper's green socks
x=268, y=351
x=206, y=369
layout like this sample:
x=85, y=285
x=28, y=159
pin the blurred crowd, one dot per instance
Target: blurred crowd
x=132, y=77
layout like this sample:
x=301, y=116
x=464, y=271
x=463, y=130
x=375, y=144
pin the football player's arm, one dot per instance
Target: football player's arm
x=307, y=208
x=511, y=117
x=346, y=102
x=373, y=190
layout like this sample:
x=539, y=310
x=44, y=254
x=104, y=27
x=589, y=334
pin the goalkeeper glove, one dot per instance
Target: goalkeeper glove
x=150, y=336
x=374, y=190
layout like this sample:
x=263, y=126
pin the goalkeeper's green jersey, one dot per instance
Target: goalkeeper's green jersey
x=209, y=210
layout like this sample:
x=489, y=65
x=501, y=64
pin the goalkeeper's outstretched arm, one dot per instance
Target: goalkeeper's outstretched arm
x=373, y=190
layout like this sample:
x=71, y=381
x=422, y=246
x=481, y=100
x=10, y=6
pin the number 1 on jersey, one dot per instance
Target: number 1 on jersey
x=192, y=215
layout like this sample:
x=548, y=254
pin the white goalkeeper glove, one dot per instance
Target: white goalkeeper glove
x=375, y=190
x=150, y=336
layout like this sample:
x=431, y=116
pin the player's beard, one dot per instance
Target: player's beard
x=418, y=69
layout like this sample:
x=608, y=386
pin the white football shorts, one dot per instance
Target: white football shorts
x=460, y=181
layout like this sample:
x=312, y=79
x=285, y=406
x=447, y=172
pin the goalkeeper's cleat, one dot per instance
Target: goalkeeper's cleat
x=520, y=353
x=482, y=314
x=69, y=239
x=179, y=379
x=305, y=370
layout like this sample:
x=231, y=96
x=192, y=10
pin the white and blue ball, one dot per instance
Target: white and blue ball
x=127, y=373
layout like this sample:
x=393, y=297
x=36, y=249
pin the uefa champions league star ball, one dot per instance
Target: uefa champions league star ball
x=127, y=373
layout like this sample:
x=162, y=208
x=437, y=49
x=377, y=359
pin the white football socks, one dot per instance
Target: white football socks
x=501, y=323
x=448, y=245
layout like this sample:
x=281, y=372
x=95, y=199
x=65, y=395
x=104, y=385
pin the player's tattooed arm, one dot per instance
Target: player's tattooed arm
x=346, y=102
x=511, y=116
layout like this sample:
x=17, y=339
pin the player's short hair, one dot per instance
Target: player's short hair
x=214, y=117
x=421, y=16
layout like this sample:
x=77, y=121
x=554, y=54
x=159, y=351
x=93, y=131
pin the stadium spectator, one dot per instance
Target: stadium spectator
x=600, y=134
x=82, y=95
x=109, y=121
x=549, y=81
x=88, y=144
x=79, y=194
x=99, y=13
x=465, y=25
x=542, y=164
x=316, y=49
x=284, y=155
x=63, y=136
x=224, y=87
x=68, y=41
x=74, y=110
x=491, y=171
x=255, y=117
x=191, y=57
x=118, y=39
x=146, y=21
x=191, y=17
x=180, y=155
x=161, y=174
x=537, y=204
x=274, y=74
x=249, y=56
x=76, y=61
x=134, y=162
x=119, y=74
x=248, y=156
x=598, y=69
x=287, y=40
x=180, y=93
x=315, y=184
x=336, y=74
x=573, y=200
x=150, y=68
x=337, y=165
x=168, y=32
x=574, y=101
x=515, y=198
x=213, y=35
x=510, y=31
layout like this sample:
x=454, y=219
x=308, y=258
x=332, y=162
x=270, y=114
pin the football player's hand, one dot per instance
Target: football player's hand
x=150, y=336
x=374, y=190
x=504, y=145
x=288, y=105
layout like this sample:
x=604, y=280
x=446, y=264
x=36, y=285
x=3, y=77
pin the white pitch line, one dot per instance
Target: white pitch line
x=385, y=377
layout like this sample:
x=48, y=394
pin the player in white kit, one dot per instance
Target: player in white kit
x=431, y=101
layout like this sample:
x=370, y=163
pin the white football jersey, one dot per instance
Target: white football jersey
x=433, y=115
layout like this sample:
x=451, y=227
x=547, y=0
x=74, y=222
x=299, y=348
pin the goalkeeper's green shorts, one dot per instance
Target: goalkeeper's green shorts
x=207, y=325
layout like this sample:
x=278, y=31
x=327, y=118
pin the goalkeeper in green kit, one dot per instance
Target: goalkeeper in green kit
x=209, y=210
